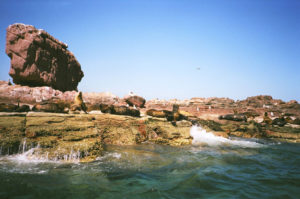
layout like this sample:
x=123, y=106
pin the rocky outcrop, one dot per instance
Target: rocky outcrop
x=38, y=59
x=83, y=136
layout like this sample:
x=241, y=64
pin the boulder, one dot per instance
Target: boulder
x=38, y=59
x=134, y=100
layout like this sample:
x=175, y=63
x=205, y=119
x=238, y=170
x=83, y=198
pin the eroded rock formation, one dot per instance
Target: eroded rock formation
x=38, y=59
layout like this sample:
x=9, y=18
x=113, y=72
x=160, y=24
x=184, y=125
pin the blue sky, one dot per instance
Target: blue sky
x=172, y=48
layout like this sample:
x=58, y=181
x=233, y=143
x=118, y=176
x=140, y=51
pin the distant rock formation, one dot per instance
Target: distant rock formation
x=38, y=59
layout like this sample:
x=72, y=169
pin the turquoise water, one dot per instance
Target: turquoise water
x=218, y=168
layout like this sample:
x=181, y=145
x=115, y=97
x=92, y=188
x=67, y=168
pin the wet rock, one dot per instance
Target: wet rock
x=38, y=59
x=11, y=133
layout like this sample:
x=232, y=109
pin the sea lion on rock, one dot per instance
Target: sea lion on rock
x=119, y=110
x=267, y=119
x=123, y=110
x=156, y=113
x=174, y=115
x=107, y=108
x=171, y=116
x=78, y=104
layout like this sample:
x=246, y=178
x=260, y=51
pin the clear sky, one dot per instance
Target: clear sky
x=172, y=48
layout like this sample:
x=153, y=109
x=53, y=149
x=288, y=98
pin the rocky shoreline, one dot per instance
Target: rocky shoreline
x=43, y=115
x=79, y=136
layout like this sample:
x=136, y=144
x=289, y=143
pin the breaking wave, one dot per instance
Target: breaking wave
x=202, y=137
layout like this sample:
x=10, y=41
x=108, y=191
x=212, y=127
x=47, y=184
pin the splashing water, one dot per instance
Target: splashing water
x=36, y=155
x=224, y=168
x=201, y=136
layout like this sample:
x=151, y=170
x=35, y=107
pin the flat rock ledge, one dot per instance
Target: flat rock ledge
x=67, y=137
x=84, y=137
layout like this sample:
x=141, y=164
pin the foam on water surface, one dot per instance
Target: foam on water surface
x=201, y=136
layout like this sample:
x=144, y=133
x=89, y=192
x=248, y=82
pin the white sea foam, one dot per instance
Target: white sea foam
x=201, y=136
x=35, y=155
x=114, y=155
x=30, y=156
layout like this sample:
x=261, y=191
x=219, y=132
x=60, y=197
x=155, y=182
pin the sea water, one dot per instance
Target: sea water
x=213, y=167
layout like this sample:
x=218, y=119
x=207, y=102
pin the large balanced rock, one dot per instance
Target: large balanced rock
x=38, y=59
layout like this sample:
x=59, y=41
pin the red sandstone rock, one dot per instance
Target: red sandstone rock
x=33, y=95
x=38, y=59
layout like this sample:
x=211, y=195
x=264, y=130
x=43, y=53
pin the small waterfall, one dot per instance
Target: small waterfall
x=73, y=156
x=30, y=153
x=22, y=146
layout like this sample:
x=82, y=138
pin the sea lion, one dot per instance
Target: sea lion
x=107, y=108
x=267, y=119
x=156, y=113
x=119, y=110
x=78, y=103
x=174, y=115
